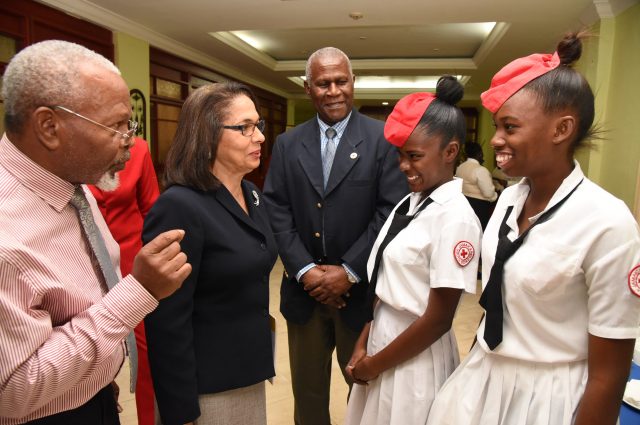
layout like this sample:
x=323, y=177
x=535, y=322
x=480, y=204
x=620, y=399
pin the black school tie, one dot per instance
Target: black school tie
x=400, y=221
x=491, y=298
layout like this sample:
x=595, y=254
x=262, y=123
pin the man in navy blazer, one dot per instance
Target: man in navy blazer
x=331, y=184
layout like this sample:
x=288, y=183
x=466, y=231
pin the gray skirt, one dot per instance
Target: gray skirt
x=242, y=406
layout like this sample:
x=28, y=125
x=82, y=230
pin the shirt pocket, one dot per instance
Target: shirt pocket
x=406, y=247
x=543, y=269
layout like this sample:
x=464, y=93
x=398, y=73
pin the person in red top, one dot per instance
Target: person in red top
x=124, y=210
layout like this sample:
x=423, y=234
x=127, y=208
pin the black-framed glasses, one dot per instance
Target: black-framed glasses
x=126, y=136
x=247, y=129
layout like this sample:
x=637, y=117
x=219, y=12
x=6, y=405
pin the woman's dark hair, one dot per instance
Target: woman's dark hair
x=473, y=150
x=564, y=88
x=442, y=118
x=195, y=143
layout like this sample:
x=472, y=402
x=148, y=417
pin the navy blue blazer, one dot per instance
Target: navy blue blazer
x=213, y=333
x=336, y=225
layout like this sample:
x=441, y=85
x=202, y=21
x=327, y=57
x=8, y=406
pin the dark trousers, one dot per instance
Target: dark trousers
x=100, y=410
x=310, y=354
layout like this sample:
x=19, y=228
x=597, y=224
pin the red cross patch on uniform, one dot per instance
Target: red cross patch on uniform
x=634, y=280
x=464, y=252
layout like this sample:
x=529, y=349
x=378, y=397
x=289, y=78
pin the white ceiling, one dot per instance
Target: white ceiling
x=401, y=38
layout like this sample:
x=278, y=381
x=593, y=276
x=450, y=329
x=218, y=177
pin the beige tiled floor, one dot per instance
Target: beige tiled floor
x=279, y=398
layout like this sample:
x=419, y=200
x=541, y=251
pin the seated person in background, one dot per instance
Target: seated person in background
x=477, y=184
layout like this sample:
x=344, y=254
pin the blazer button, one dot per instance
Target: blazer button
x=319, y=205
x=316, y=234
x=263, y=246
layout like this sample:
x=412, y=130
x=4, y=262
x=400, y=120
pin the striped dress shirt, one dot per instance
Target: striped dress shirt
x=61, y=333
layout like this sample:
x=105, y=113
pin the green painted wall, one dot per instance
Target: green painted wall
x=132, y=57
x=486, y=130
x=621, y=149
x=588, y=66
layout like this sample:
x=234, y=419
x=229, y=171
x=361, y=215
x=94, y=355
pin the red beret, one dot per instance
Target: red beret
x=514, y=76
x=405, y=117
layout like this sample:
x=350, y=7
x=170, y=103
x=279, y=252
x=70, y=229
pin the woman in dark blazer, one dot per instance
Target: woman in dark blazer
x=210, y=342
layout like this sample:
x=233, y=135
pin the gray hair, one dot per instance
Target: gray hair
x=46, y=74
x=325, y=52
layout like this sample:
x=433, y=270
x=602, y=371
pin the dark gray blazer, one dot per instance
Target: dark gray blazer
x=339, y=224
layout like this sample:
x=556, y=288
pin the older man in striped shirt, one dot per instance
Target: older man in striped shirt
x=64, y=309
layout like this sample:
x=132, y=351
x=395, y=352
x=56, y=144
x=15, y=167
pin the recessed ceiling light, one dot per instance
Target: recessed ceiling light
x=356, y=15
x=363, y=37
x=251, y=40
x=385, y=103
x=488, y=27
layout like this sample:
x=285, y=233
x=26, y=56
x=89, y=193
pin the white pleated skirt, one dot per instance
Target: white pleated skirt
x=488, y=389
x=403, y=394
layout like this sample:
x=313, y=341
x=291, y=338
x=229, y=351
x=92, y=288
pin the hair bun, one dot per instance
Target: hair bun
x=570, y=48
x=449, y=89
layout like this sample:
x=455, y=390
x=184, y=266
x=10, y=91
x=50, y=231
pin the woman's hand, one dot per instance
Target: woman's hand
x=365, y=370
x=359, y=353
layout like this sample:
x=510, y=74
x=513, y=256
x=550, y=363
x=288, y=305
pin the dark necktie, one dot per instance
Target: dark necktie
x=398, y=223
x=99, y=249
x=328, y=154
x=491, y=298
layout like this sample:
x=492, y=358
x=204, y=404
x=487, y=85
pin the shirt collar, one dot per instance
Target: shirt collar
x=521, y=190
x=441, y=195
x=46, y=185
x=567, y=185
x=445, y=192
x=339, y=127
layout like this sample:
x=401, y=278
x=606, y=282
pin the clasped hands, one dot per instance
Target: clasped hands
x=361, y=368
x=327, y=284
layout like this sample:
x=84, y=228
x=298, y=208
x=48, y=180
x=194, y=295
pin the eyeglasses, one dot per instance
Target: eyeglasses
x=126, y=136
x=247, y=129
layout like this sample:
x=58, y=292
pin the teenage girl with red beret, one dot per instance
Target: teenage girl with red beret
x=423, y=259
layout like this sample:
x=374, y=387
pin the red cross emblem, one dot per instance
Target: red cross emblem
x=463, y=252
x=634, y=280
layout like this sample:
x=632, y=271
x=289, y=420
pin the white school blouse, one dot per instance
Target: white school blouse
x=439, y=248
x=572, y=277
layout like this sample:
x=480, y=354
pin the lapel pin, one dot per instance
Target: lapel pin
x=256, y=201
x=353, y=155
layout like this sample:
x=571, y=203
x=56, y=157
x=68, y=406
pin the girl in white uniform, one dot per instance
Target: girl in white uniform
x=562, y=312
x=407, y=352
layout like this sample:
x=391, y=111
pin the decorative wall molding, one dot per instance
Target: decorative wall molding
x=103, y=17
